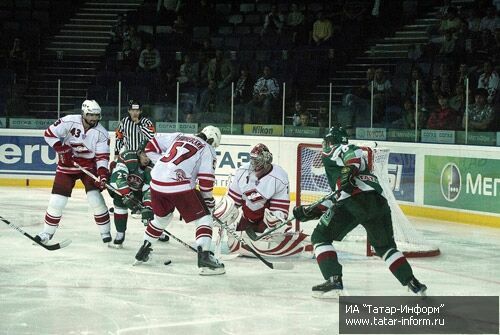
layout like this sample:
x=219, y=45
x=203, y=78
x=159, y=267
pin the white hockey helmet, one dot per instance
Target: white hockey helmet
x=213, y=135
x=91, y=107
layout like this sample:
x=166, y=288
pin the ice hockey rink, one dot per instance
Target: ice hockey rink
x=87, y=288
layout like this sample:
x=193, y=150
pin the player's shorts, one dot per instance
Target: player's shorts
x=190, y=204
x=64, y=183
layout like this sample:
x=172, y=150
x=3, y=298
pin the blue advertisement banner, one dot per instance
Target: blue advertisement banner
x=26, y=155
x=401, y=169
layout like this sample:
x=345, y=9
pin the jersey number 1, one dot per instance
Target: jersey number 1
x=191, y=150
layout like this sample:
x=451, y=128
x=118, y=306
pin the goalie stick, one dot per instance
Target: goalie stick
x=254, y=237
x=50, y=247
x=276, y=266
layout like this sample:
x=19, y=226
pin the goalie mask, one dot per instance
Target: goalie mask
x=260, y=157
x=336, y=136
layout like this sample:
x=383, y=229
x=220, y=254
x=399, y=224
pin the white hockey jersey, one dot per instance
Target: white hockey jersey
x=180, y=160
x=90, y=148
x=255, y=194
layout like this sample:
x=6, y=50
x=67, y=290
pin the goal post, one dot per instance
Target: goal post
x=311, y=184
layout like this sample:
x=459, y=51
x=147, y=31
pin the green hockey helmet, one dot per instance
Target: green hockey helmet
x=335, y=136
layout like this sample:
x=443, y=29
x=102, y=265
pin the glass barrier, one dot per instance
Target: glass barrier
x=268, y=104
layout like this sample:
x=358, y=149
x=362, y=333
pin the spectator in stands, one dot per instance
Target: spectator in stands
x=149, y=59
x=135, y=39
x=119, y=30
x=443, y=9
x=207, y=48
x=322, y=31
x=474, y=23
x=323, y=117
x=304, y=120
x=18, y=58
x=244, y=87
x=382, y=92
x=209, y=98
x=489, y=80
x=446, y=79
x=220, y=70
x=457, y=101
x=432, y=103
x=169, y=9
x=490, y=21
x=410, y=87
x=127, y=58
x=297, y=110
x=265, y=95
x=407, y=120
x=414, y=53
x=481, y=114
x=295, y=23
x=169, y=82
x=273, y=22
x=495, y=49
x=451, y=23
x=189, y=118
x=443, y=118
x=463, y=74
x=188, y=73
x=447, y=49
x=202, y=67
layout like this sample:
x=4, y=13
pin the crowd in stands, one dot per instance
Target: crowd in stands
x=463, y=52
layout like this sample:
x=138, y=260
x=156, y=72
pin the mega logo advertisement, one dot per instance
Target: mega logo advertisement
x=26, y=155
x=464, y=183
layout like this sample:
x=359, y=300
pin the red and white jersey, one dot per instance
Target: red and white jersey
x=255, y=194
x=180, y=160
x=90, y=148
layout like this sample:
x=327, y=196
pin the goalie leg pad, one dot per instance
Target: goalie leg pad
x=226, y=210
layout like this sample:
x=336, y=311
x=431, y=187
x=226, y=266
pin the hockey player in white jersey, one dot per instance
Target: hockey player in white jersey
x=181, y=160
x=261, y=189
x=80, y=139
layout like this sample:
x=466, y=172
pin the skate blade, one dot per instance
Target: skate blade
x=333, y=294
x=115, y=246
x=212, y=272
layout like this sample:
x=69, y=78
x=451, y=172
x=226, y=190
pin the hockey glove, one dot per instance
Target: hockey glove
x=102, y=173
x=131, y=202
x=147, y=215
x=65, y=153
x=347, y=182
x=303, y=213
x=271, y=219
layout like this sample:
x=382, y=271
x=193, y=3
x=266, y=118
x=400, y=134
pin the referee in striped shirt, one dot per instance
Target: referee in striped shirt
x=134, y=129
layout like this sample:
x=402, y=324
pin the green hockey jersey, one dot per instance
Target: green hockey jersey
x=129, y=173
x=334, y=158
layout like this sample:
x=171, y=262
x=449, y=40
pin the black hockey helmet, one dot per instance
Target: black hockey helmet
x=134, y=105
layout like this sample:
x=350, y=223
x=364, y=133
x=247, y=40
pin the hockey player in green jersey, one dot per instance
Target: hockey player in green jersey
x=358, y=200
x=131, y=177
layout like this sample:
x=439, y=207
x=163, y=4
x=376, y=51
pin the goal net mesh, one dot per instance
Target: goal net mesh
x=312, y=184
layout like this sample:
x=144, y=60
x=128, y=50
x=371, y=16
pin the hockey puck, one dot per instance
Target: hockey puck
x=111, y=209
x=167, y=262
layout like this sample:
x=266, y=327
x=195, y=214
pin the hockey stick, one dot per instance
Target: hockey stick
x=276, y=266
x=51, y=247
x=112, y=189
x=254, y=237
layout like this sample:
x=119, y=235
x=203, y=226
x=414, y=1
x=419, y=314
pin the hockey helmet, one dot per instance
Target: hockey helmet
x=335, y=136
x=134, y=105
x=91, y=107
x=260, y=157
x=213, y=135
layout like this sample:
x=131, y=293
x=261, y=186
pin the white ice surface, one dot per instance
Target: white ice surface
x=87, y=288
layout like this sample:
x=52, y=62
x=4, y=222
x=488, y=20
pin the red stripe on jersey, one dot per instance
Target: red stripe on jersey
x=153, y=146
x=280, y=201
x=397, y=263
x=206, y=175
x=205, y=184
x=49, y=133
x=174, y=183
x=147, y=204
x=284, y=206
x=330, y=254
x=354, y=161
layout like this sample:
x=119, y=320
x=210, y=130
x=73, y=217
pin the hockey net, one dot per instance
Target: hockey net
x=312, y=184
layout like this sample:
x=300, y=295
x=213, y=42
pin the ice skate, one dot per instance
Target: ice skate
x=142, y=255
x=331, y=288
x=164, y=237
x=118, y=241
x=43, y=237
x=208, y=264
x=417, y=287
x=106, y=237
